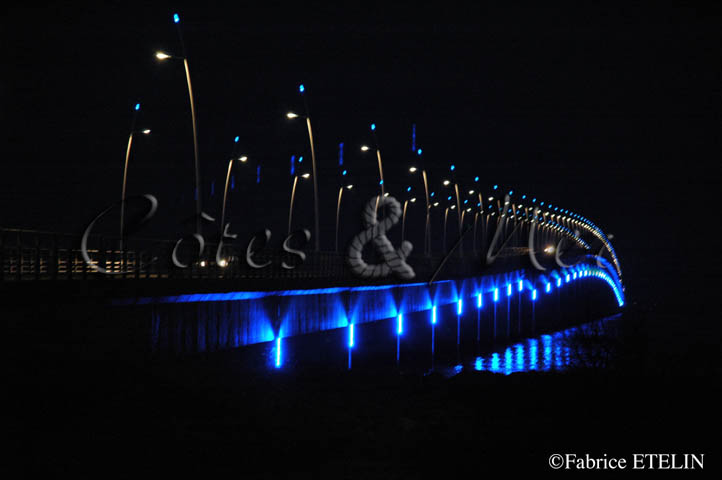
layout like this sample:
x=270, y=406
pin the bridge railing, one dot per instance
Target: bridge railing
x=27, y=255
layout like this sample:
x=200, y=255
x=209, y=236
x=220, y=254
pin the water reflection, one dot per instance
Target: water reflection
x=526, y=356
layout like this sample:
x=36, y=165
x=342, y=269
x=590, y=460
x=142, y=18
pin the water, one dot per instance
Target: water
x=586, y=345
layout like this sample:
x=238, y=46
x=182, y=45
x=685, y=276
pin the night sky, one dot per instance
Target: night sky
x=613, y=113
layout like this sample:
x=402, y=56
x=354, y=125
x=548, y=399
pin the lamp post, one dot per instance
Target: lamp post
x=164, y=56
x=338, y=209
x=242, y=159
x=293, y=197
x=378, y=157
x=427, y=228
x=125, y=171
x=291, y=115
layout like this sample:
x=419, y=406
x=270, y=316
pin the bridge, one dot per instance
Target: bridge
x=509, y=261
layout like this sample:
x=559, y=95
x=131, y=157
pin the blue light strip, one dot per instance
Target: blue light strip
x=278, y=352
x=479, y=301
x=459, y=304
x=433, y=315
x=350, y=335
x=400, y=326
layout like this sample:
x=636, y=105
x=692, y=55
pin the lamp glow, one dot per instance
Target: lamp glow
x=459, y=305
x=176, y=18
x=433, y=315
x=161, y=56
x=400, y=324
x=292, y=115
x=278, y=352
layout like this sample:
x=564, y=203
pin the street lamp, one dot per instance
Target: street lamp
x=292, y=115
x=365, y=148
x=242, y=159
x=164, y=56
x=305, y=176
x=125, y=170
x=427, y=228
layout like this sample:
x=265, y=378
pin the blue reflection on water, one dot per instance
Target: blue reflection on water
x=525, y=356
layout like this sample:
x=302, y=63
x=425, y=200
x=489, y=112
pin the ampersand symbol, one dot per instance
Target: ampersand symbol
x=394, y=259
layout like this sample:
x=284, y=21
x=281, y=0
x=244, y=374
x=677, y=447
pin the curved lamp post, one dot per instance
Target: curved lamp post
x=125, y=171
x=293, y=197
x=427, y=228
x=242, y=159
x=403, y=218
x=164, y=56
x=292, y=115
x=365, y=148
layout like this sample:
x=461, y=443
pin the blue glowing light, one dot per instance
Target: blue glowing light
x=350, y=335
x=523, y=197
x=548, y=287
x=479, y=301
x=432, y=194
x=300, y=159
x=418, y=152
x=533, y=295
x=373, y=126
x=533, y=200
x=278, y=352
x=459, y=304
x=559, y=282
x=496, y=294
x=574, y=275
x=340, y=154
x=496, y=186
x=433, y=315
x=344, y=172
x=235, y=140
x=413, y=138
x=408, y=189
x=400, y=325
x=520, y=285
x=476, y=179
x=479, y=364
x=301, y=88
x=293, y=164
x=176, y=18
x=466, y=201
x=449, y=197
x=381, y=182
x=511, y=192
x=566, y=279
x=452, y=168
x=137, y=107
x=508, y=289
x=258, y=174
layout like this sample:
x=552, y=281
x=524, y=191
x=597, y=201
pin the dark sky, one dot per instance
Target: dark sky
x=614, y=113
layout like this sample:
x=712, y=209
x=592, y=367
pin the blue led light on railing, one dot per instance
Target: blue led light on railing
x=301, y=88
x=496, y=294
x=400, y=324
x=548, y=287
x=574, y=275
x=137, y=107
x=520, y=285
x=350, y=335
x=433, y=315
x=176, y=18
x=459, y=305
x=278, y=352
x=479, y=301
x=533, y=295
x=373, y=126
x=508, y=289
x=559, y=282
x=566, y=279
